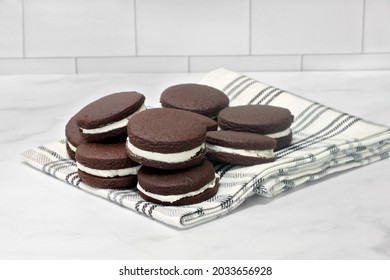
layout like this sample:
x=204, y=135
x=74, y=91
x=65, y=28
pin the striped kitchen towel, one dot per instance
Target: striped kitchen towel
x=325, y=141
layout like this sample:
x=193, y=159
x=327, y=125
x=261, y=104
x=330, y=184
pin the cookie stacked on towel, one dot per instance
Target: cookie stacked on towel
x=169, y=142
x=201, y=99
x=165, y=152
x=170, y=145
x=117, y=143
x=249, y=134
x=267, y=120
x=96, y=138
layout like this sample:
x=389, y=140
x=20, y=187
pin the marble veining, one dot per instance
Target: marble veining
x=343, y=216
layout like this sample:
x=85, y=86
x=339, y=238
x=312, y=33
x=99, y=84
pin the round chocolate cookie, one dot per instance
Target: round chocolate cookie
x=271, y=121
x=201, y=99
x=166, y=138
x=106, y=165
x=208, y=122
x=240, y=148
x=178, y=187
x=108, y=116
x=73, y=137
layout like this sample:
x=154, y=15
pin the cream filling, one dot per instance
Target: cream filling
x=114, y=125
x=73, y=148
x=109, y=173
x=280, y=134
x=168, y=157
x=173, y=198
x=242, y=152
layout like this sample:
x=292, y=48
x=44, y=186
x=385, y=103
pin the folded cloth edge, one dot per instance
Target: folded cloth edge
x=376, y=145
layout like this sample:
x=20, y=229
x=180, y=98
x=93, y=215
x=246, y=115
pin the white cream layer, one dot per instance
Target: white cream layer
x=173, y=198
x=242, y=152
x=109, y=173
x=168, y=157
x=280, y=134
x=114, y=125
x=73, y=148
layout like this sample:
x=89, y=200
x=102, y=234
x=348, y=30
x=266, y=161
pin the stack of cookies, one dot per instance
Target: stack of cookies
x=169, y=142
x=246, y=135
x=165, y=152
x=96, y=138
x=249, y=134
x=170, y=145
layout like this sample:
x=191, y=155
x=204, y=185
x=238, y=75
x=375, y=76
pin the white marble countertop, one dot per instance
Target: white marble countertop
x=344, y=216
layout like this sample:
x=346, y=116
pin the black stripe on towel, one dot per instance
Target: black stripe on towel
x=236, y=87
x=51, y=152
x=150, y=211
x=259, y=94
x=71, y=177
x=251, y=82
x=54, y=166
x=233, y=82
x=141, y=207
x=224, y=170
x=339, y=128
x=309, y=119
x=269, y=94
x=274, y=97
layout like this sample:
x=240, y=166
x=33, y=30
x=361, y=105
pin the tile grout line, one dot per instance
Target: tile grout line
x=188, y=57
x=23, y=33
x=135, y=28
x=250, y=27
x=363, y=25
x=76, y=69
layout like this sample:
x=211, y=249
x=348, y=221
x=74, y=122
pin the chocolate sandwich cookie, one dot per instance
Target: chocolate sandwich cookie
x=240, y=148
x=208, y=122
x=73, y=137
x=178, y=187
x=108, y=116
x=201, y=99
x=271, y=121
x=166, y=138
x=106, y=165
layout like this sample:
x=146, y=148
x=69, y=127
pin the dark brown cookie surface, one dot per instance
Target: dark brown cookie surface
x=239, y=148
x=207, y=194
x=240, y=140
x=125, y=182
x=284, y=141
x=106, y=165
x=104, y=156
x=262, y=119
x=99, y=119
x=178, y=187
x=266, y=120
x=208, y=122
x=166, y=138
x=73, y=136
x=201, y=99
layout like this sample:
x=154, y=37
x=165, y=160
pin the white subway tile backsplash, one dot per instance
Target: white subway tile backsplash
x=132, y=64
x=346, y=62
x=377, y=26
x=306, y=26
x=192, y=27
x=246, y=63
x=79, y=28
x=11, y=28
x=10, y=66
x=83, y=36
